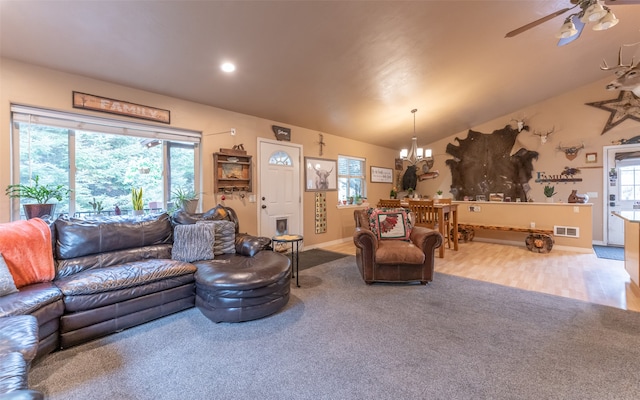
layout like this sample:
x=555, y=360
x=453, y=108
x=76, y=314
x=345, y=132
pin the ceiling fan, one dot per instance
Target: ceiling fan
x=585, y=11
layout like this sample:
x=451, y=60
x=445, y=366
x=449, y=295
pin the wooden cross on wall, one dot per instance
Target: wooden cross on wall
x=321, y=142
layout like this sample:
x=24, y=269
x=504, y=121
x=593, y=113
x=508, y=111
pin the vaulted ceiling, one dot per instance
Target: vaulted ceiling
x=350, y=68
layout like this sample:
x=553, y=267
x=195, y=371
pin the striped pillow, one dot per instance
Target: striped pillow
x=193, y=242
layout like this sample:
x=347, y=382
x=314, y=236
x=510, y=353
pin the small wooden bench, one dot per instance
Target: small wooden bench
x=538, y=240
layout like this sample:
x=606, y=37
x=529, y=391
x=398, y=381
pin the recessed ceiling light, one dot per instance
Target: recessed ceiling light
x=228, y=67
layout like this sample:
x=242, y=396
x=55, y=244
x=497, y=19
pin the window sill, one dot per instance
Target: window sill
x=341, y=206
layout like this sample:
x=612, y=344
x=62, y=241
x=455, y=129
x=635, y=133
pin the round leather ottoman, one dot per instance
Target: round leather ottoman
x=235, y=288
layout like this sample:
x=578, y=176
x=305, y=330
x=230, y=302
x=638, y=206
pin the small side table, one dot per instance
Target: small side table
x=295, y=246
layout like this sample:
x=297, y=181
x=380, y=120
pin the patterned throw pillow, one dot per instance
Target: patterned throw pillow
x=225, y=233
x=7, y=285
x=391, y=224
x=193, y=242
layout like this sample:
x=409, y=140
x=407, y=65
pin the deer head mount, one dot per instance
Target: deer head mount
x=520, y=124
x=570, y=152
x=627, y=75
x=544, y=136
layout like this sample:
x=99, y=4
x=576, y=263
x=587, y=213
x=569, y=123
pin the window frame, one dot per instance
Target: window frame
x=348, y=177
x=69, y=121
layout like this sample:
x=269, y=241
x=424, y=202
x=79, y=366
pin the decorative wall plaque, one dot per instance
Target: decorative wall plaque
x=321, y=212
x=111, y=106
x=281, y=133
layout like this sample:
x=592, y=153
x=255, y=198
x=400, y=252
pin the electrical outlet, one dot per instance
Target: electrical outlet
x=233, y=131
x=474, y=208
x=252, y=198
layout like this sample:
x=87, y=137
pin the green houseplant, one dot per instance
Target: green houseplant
x=186, y=199
x=41, y=194
x=136, y=201
x=549, y=192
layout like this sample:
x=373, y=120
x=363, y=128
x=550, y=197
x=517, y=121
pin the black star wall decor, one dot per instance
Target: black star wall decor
x=626, y=106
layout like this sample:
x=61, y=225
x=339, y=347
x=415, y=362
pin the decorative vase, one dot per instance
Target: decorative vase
x=137, y=212
x=190, y=206
x=38, y=210
x=549, y=199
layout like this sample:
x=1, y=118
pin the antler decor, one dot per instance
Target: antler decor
x=627, y=77
x=544, y=136
x=570, y=152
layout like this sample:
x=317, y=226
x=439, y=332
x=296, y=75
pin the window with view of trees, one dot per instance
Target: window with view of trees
x=101, y=163
x=351, y=179
x=630, y=183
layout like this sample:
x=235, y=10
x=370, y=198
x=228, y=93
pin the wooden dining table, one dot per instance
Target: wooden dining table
x=443, y=209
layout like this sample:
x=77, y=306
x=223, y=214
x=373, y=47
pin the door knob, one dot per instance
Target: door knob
x=263, y=206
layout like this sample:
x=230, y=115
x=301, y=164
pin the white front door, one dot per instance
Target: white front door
x=622, y=172
x=279, y=188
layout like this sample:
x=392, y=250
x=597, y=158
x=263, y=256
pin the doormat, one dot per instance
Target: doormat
x=609, y=252
x=313, y=257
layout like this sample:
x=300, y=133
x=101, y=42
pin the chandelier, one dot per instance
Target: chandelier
x=416, y=154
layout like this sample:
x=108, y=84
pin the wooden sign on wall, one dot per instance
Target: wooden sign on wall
x=104, y=104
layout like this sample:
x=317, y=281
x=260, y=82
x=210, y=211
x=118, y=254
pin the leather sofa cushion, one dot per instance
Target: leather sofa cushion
x=29, y=299
x=122, y=276
x=78, y=237
x=102, y=260
x=398, y=252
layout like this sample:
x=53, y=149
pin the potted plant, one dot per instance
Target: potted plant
x=549, y=192
x=41, y=194
x=394, y=193
x=439, y=194
x=97, y=206
x=410, y=192
x=136, y=201
x=186, y=199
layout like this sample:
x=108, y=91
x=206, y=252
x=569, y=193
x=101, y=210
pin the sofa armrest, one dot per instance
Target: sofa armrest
x=365, y=240
x=426, y=239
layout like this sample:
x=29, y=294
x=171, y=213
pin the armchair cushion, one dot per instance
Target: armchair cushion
x=398, y=252
x=390, y=224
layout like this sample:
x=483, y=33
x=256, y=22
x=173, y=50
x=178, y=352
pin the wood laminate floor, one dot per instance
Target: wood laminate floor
x=563, y=273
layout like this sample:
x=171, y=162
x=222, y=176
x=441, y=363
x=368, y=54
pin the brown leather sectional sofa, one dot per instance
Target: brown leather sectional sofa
x=111, y=274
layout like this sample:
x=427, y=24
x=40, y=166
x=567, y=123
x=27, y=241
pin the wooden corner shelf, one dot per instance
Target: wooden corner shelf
x=232, y=172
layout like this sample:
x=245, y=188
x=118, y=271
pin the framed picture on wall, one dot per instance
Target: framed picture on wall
x=591, y=158
x=320, y=174
x=380, y=174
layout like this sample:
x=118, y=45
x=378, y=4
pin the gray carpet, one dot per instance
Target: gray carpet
x=609, y=252
x=341, y=339
x=313, y=257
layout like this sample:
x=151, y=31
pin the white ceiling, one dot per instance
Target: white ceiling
x=350, y=68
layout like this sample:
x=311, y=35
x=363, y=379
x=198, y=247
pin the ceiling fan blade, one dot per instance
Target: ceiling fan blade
x=579, y=26
x=536, y=22
x=620, y=2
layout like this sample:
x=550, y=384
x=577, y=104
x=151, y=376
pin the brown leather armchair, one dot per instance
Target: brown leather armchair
x=395, y=260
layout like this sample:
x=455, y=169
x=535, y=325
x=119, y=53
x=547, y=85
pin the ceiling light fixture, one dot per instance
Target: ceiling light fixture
x=228, y=67
x=590, y=11
x=416, y=154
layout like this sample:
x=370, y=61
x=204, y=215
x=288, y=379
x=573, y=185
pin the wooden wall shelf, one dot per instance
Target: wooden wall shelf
x=232, y=173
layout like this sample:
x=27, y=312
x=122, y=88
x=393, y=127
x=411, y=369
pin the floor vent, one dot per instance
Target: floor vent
x=568, y=231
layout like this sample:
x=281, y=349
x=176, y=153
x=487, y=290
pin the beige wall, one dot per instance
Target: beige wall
x=31, y=85
x=542, y=215
x=575, y=123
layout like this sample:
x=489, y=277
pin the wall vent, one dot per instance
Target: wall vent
x=568, y=231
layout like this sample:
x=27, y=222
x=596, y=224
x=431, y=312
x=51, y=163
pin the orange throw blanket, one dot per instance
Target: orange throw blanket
x=26, y=248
